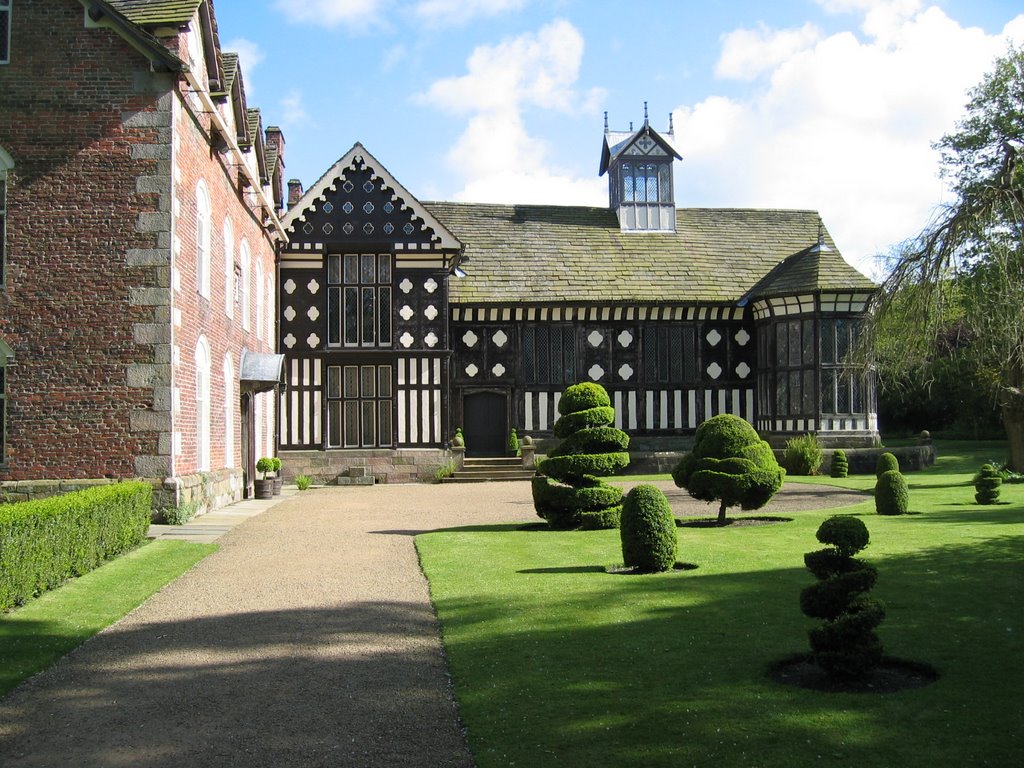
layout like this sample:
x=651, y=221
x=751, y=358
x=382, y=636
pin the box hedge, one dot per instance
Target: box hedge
x=43, y=543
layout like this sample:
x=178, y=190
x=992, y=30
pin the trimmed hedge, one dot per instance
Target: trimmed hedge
x=840, y=465
x=986, y=485
x=46, y=542
x=887, y=462
x=648, y=531
x=567, y=491
x=892, y=497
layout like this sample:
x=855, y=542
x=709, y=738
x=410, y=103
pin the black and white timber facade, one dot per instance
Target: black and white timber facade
x=402, y=320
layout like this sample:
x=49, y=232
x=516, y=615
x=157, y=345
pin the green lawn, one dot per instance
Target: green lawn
x=557, y=662
x=38, y=633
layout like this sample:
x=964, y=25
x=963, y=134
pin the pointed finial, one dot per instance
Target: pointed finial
x=606, y=121
x=645, y=111
x=670, y=128
x=820, y=246
x=631, y=125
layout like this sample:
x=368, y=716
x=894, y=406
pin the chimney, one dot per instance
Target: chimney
x=294, y=191
x=275, y=139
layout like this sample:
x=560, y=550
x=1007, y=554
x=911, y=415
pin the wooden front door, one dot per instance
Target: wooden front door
x=486, y=427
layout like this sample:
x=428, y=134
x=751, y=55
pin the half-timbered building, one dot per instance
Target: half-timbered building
x=402, y=320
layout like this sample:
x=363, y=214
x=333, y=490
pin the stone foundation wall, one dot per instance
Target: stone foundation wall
x=405, y=465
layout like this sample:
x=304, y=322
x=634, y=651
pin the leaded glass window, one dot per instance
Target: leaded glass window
x=795, y=365
x=5, y=31
x=549, y=355
x=359, y=300
x=669, y=354
x=843, y=385
x=359, y=406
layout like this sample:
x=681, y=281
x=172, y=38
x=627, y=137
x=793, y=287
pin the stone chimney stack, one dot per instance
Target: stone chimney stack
x=275, y=139
x=294, y=192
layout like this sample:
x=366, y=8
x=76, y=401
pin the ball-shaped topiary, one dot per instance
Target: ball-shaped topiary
x=840, y=464
x=986, y=484
x=729, y=464
x=568, y=491
x=886, y=463
x=892, y=497
x=648, y=530
x=845, y=645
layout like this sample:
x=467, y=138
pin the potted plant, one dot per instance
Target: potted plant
x=278, y=480
x=264, y=488
x=512, y=445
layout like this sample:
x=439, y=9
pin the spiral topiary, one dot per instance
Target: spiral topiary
x=840, y=464
x=648, y=530
x=986, y=484
x=845, y=645
x=730, y=464
x=886, y=463
x=892, y=497
x=568, y=491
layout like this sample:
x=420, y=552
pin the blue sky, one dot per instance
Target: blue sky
x=823, y=104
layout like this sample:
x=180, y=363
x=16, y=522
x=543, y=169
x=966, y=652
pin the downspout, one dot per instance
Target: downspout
x=175, y=402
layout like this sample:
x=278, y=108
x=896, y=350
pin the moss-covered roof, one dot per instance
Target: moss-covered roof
x=229, y=63
x=544, y=253
x=156, y=12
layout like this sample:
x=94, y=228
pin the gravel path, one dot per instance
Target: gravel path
x=307, y=640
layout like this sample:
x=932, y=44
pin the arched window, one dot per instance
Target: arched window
x=229, y=412
x=203, y=221
x=259, y=299
x=244, y=277
x=202, y=405
x=6, y=164
x=229, y=269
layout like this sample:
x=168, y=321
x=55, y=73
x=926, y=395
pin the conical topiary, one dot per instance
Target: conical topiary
x=986, y=484
x=840, y=465
x=846, y=645
x=886, y=462
x=568, y=491
x=892, y=497
x=648, y=530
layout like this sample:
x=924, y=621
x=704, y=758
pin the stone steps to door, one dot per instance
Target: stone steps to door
x=485, y=470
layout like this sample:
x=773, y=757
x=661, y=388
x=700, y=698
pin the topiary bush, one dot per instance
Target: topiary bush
x=568, y=491
x=729, y=464
x=803, y=455
x=648, y=530
x=892, y=497
x=886, y=463
x=845, y=645
x=840, y=464
x=513, y=442
x=986, y=484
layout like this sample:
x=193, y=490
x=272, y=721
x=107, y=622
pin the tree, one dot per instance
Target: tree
x=971, y=256
x=730, y=464
x=568, y=491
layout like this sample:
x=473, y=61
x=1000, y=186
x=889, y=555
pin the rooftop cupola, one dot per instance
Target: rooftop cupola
x=639, y=167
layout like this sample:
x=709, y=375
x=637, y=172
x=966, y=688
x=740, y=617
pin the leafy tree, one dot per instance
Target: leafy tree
x=968, y=263
x=730, y=464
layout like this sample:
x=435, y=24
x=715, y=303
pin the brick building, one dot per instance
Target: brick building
x=139, y=203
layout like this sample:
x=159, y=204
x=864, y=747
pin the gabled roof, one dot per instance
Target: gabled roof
x=814, y=268
x=544, y=254
x=111, y=12
x=359, y=157
x=154, y=12
x=646, y=139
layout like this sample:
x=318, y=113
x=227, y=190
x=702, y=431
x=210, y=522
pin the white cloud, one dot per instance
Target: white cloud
x=496, y=156
x=458, y=12
x=843, y=124
x=250, y=56
x=355, y=14
x=747, y=53
x=293, y=109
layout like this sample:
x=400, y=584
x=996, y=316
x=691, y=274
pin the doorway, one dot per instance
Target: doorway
x=486, y=423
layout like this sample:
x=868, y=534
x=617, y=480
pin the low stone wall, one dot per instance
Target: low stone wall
x=405, y=465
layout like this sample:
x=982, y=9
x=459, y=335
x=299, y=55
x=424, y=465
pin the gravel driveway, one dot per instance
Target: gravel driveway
x=307, y=640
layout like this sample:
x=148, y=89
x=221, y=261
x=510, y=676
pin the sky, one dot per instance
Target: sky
x=830, y=105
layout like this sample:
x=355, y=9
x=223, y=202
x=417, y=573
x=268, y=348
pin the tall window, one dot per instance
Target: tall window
x=549, y=355
x=244, y=281
x=5, y=165
x=5, y=355
x=842, y=383
x=359, y=308
x=645, y=183
x=5, y=31
x=229, y=412
x=270, y=310
x=794, y=346
x=229, y=269
x=670, y=354
x=202, y=405
x=203, y=225
x=359, y=408
x=259, y=299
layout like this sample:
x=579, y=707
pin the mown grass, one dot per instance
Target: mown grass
x=40, y=632
x=557, y=662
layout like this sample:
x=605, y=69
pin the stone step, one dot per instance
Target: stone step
x=459, y=477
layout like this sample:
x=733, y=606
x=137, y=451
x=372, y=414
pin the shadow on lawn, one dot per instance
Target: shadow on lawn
x=664, y=672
